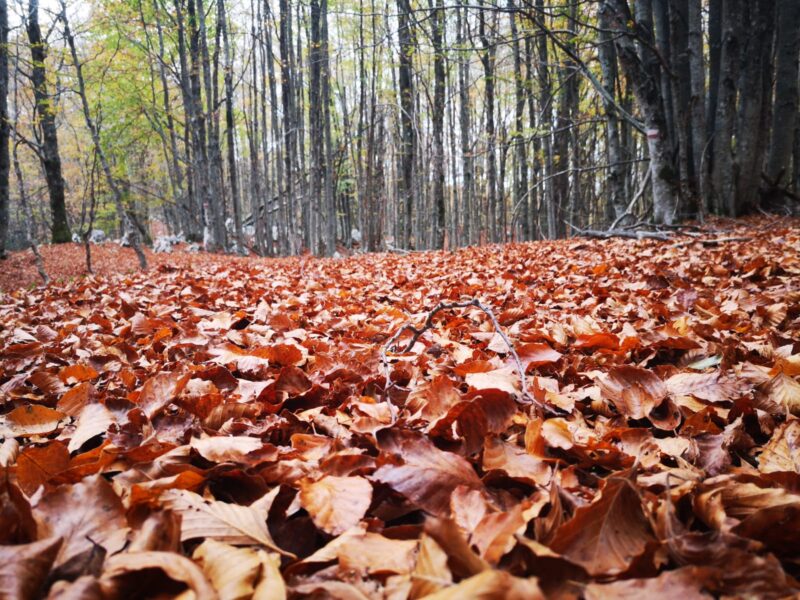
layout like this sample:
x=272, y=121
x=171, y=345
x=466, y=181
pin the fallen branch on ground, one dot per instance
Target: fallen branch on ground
x=390, y=248
x=711, y=241
x=623, y=233
x=525, y=397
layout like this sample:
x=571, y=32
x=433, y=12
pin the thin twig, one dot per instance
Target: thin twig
x=632, y=203
x=525, y=397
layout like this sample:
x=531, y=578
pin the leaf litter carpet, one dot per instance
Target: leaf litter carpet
x=224, y=428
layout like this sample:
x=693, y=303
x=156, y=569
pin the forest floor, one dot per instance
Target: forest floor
x=226, y=425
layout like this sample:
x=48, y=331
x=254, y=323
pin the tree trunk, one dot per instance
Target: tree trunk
x=753, y=99
x=437, y=35
x=5, y=128
x=545, y=92
x=644, y=79
x=467, y=172
x=784, y=114
x=287, y=101
x=697, y=115
x=51, y=158
x=487, y=57
x=520, y=174
x=222, y=19
x=608, y=67
x=723, y=175
x=408, y=141
x=128, y=226
x=317, y=143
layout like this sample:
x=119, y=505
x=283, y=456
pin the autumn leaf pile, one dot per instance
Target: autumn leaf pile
x=225, y=428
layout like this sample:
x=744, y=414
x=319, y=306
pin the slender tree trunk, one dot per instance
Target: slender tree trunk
x=287, y=101
x=545, y=88
x=754, y=100
x=408, y=141
x=186, y=215
x=216, y=197
x=468, y=175
x=5, y=129
x=608, y=67
x=487, y=56
x=315, y=127
x=128, y=226
x=520, y=173
x=51, y=158
x=784, y=114
x=644, y=79
x=222, y=19
x=680, y=83
x=723, y=175
x=26, y=211
x=330, y=170
x=437, y=36
x=697, y=115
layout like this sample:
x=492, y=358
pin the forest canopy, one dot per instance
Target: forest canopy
x=283, y=127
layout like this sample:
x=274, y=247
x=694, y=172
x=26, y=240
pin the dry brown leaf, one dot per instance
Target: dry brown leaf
x=688, y=583
x=514, y=461
x=367, y=553
x=505, y=380
x=607, y=535
x=24, y=568
x=130, y=574
x=233, y=572
x=94, y=420
x=491, y=585
x=782, y=452
x=160, y=390
x=428, y=475
x=82, y=514
x=38, y=464
x=336, y=503
x=430, y=573
x=220, y=449
x=31, y=420
x=222, y=521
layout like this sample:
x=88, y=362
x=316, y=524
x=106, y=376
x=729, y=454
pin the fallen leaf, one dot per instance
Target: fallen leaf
x=336, y=503
x=428, y=475
x=83, y=514
x=130, y=574
x=24, y=568
x=221, y=521
x=31, y=420
x=608, y=534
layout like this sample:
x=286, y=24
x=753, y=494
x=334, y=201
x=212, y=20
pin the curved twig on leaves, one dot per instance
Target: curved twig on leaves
x=524, y=397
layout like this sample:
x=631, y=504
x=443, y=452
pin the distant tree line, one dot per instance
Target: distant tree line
x=279, y=127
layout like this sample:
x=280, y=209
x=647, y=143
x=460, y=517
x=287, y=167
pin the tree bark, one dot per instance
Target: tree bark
x=723, y=176
x=784, y=114
x=754, y=98
x=128, y=226
x=437, y=35
x=487, y=57
x=467, y=171
x=407, y=119
x=222, y=18
x=5, y=128
x=644, y=79
x=51, y=157
x=697, y=116
x=608, y=67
